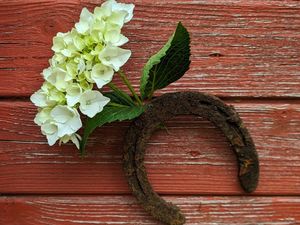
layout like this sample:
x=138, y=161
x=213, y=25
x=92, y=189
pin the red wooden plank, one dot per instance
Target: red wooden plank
x=259, y=41
x=194, y=158
x=115, y=210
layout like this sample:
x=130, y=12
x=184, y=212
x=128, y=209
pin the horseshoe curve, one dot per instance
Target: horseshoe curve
x=164, y=108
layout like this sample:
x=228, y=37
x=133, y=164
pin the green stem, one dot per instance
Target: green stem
x=112, y=86
x=126, y=81
x=116, y=104
x=125, y=97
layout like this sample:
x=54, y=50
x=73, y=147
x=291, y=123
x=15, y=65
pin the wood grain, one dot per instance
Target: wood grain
x=257, y=41
x=115, y=210
x=247, y=50
x=191, y=158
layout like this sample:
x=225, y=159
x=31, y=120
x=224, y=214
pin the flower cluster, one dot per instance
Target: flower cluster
x=84, y=57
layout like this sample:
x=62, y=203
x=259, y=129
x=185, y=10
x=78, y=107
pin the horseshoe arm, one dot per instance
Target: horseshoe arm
x=184, y=103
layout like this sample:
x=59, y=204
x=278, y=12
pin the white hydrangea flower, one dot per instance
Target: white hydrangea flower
x=84, y=57
x=58, y=78
x=40, y=99
x=50, y=129
x=114, y=57
x=75, y=138
x=117, y=7
x=58, y=42
x=74, y=92
x=72, y=69
x=43, y=116
x=86, y=18
x=92, y=102
x=67, y=119
x=64, y=43
x=114, y=37
x=101, y=74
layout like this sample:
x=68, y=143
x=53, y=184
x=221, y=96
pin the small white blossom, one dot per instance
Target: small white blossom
x=114, y=37
x=67, y=120
x=114, y=57
x=40, y=99
x=74, y=92
x=59, y=78
x=50, y=129
x=92, y=102
x=117, y=7
x=101, y=75
x=43, y=116
x=75, y=138
x=86, y=18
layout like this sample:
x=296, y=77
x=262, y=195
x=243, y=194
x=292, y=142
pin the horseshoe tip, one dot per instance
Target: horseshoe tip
x=249, y=181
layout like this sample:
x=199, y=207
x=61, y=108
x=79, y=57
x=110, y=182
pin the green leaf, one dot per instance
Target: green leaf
x=116, y=110
x=168, y=65
x=116, y=98
x=119, y=96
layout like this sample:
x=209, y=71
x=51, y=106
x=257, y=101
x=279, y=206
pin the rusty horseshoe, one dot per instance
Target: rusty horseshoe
x=164, y=108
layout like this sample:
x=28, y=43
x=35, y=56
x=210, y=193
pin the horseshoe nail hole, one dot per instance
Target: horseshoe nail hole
x=194, y=153
x=216, y=54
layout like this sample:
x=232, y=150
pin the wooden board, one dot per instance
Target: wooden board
x=191, y=158
x=124, y=210
x=258, y=42
x=246, y=51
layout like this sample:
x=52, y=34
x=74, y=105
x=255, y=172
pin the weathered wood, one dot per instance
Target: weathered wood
x=115, y=210
x=246, y=48
x=191, y=158
x=257, y=43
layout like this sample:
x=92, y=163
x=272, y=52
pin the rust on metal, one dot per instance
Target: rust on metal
x=184, y=103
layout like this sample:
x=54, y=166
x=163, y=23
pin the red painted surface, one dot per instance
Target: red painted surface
x=257, y=71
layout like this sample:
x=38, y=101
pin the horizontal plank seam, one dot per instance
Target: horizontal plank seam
x=128, y=194
x=277, y=99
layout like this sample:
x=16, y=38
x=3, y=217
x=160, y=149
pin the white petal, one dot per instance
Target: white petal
x=67, y=118
x=66, y=52
x=79, y=43
x=74, y=92
x=101, y=75
x=91, y=110
x=59, y=78
x=81, y=66
x=52, y=138
x=115, y=38
x=65, y=139
x=117, y=18
x=64, y=129
x=42, y=116
x=75, y=140
x=75, y=123
x=82, y=27
x=114, y=57
x=92, y=102
x=122, y=40
x=39, y=99
x=112, y=36
x=62, y=113
x=103, y=11
x=47, y=72
x=71, y=70
x=85, y=19
x=49, y=128
x=128, y=8
x=58, y=43
x=72, y=100
x=86, y=15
